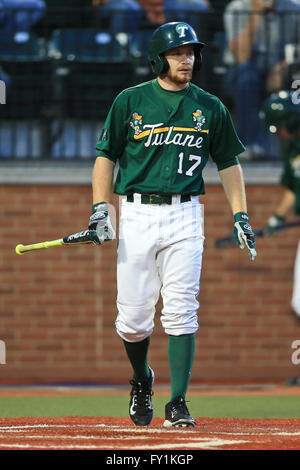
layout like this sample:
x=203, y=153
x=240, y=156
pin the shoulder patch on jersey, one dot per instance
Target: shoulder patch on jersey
x=104, y=134
x=199, y=119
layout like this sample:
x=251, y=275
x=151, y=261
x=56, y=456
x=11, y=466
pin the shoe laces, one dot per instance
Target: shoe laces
x=142, y=391
x=179, y=405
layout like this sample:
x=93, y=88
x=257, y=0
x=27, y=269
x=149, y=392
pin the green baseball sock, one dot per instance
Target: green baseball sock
x=137, y=355
x=181, y=351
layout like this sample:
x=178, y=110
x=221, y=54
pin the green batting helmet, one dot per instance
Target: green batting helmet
x=171, y=35
x=281, y=110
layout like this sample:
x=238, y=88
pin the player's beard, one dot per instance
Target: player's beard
x=180, y=78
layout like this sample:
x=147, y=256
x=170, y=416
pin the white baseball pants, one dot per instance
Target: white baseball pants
x=159, y=252
x=296, y=289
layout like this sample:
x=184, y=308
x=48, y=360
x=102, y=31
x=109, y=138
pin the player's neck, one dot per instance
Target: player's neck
x=170, y=85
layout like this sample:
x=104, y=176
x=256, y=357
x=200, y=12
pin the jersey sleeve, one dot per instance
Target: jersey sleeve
x=112, y=140
x=225, y=144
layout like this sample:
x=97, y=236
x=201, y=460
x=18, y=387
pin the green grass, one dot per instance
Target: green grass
x=201, y=406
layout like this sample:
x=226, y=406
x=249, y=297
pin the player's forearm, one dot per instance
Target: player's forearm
x=234, y=188
x=286, y=203
x=241, y=45
x=102, y=180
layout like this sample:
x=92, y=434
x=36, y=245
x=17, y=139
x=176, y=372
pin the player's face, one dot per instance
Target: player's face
x=181, y=62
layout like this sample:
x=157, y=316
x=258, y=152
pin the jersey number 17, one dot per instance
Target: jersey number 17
x=192, y=168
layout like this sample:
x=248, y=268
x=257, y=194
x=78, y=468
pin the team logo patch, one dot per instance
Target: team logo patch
x=136, y=123
x=199, y=119
x=181, y=29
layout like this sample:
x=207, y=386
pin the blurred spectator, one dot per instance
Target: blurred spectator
x=20, y=14
x=154, y=11
x=257, y=33
x=127, y=15
x=121, y=15
x=186, y=10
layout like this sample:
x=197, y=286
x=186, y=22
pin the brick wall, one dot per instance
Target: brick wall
x=57, y=306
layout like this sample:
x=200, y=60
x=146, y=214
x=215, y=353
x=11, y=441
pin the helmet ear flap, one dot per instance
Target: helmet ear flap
x=159, y=65
x=165, y=64
x=198, y=58
x=198, y=62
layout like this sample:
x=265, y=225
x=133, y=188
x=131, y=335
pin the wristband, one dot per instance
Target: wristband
x=241, y=217
x=96, y=206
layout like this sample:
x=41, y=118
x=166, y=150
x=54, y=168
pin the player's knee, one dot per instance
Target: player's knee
x=133, y=337
x=180, y=324
x=130, y=335
x=134, y=329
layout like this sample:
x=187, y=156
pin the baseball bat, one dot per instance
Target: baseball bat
x=79, y=237
x=229, y=240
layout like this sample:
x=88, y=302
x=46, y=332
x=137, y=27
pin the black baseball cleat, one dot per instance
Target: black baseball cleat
x=140, y=406
x=177, y=414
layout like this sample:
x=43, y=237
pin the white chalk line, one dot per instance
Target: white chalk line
x=108, y=438
x=188, y=442
x=137, y=430
x=199, y=444
x=22, y=427
x=56, y=447
x=179, y=442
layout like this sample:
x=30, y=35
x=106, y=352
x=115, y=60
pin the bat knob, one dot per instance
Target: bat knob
x=18, y=250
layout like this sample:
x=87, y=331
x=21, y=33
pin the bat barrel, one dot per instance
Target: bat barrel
x=21, y=249
x=75, y=238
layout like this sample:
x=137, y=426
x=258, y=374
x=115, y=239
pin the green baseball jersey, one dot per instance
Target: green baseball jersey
x=162, y=139
x=291, y=173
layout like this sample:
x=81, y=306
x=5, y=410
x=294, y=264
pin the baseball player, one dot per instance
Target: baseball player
x=281, y=114
x=161, y=134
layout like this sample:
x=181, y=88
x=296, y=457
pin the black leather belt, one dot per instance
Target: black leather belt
x=158, y=198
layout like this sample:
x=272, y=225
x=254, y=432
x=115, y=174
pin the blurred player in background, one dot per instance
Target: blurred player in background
x=281, y=114
x=258, y=32
x=161, y=133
